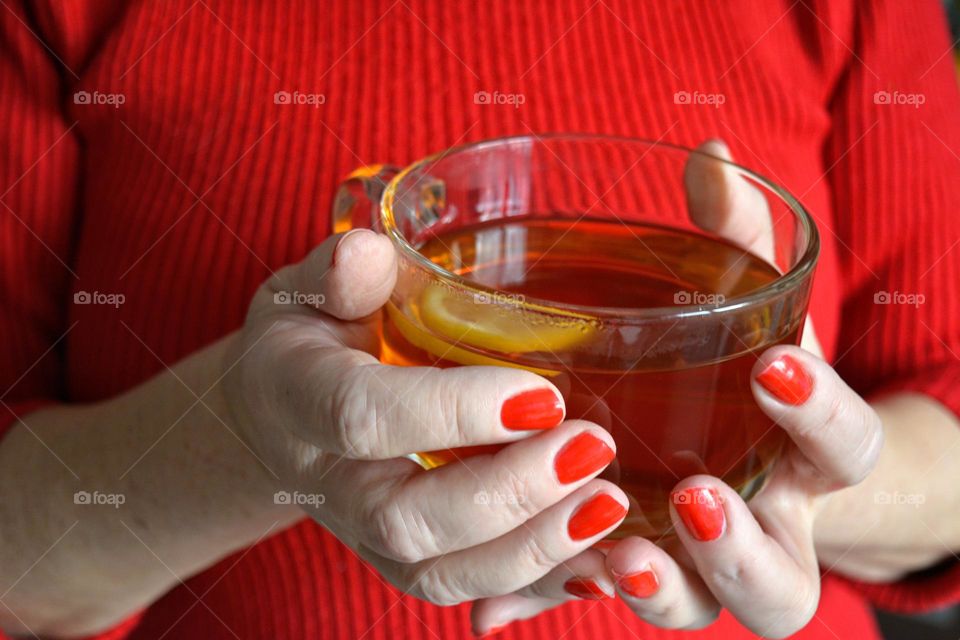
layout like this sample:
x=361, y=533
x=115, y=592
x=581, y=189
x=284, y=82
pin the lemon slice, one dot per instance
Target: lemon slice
x=494, y=328
x=424, y=340
x=488, y=327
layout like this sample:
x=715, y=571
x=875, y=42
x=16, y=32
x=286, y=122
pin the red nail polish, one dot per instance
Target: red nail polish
x=492, y=631
x=597, y=514
x=701, y=512
x=585, y=588
x=786, y=380
x=533, y=409
x=581, y=456
x=639, y=585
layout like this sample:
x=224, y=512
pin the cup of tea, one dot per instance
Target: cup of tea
x=585, y=259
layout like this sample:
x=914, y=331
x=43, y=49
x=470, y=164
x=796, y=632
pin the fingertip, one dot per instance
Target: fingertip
x=363, y=272
x=786, y=373
x=535, y=409
x=356, y=246
x=697, y=506
x=716, y=147
x=630, y=555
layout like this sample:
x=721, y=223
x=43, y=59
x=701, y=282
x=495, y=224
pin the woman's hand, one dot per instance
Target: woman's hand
x=331, y=424
x=757, y=560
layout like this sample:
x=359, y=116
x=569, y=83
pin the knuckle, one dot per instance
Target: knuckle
x=836, y=411
x=449, y=407
x=867, y=451
x=538, y=556
x=540, y=589
x=740, y=573
x=516, y=488
x=355, y=416
x=391, y=536
x=436, y=587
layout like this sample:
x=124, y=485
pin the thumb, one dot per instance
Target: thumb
x=349, y=276
x=722, y=201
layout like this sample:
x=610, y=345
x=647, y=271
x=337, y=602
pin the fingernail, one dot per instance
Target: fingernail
x=336, y=248
x=786, y=380
x=585, y=588
x=492, y=631
x=701, y=512
x=639, y=585
x=533, y=409
x=581, y=456
x=597, y=514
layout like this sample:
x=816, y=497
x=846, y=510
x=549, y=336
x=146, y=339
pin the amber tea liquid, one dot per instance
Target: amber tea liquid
x=669, y=419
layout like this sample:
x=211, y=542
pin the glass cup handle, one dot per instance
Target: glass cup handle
x=357, y=201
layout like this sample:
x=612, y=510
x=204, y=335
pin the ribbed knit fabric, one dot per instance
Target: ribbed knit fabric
x=187, y=195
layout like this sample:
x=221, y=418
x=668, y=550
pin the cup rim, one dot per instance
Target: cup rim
x=785, y=282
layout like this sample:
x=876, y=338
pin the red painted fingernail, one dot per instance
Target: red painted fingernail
x=701, y=512
x=585, y=588
x=786, y=380
x=597, y=514
x=639, y=585
x=583, y=455
x=492, y=631
x=533, y=409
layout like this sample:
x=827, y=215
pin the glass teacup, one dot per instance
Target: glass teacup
x=578, y=257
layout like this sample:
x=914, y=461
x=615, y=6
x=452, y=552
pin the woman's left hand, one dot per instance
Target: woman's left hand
x=757, y=560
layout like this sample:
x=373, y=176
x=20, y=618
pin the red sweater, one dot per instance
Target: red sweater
x=103, y=197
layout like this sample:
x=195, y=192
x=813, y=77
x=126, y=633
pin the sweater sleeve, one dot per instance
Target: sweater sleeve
x=895, y=176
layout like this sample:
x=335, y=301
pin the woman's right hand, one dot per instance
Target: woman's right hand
x=326, y=419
